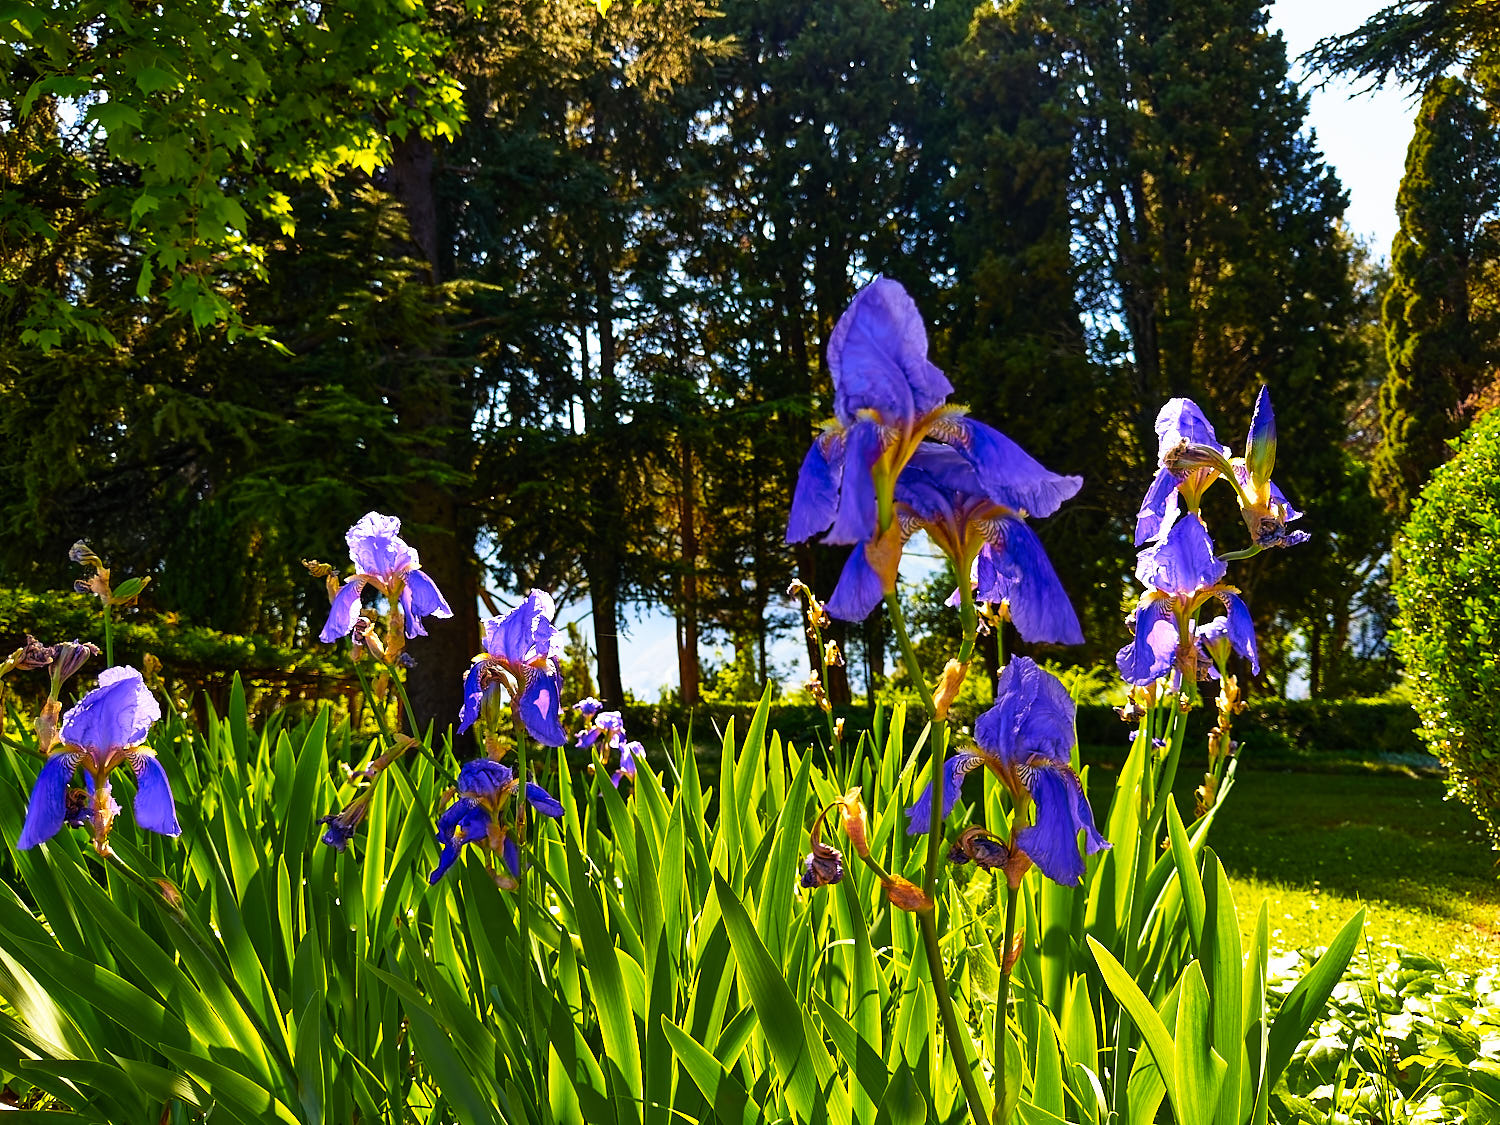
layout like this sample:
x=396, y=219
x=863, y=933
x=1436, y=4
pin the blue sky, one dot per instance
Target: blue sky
x=1362, y=135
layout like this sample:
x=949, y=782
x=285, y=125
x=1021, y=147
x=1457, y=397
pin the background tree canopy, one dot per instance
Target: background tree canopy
x=554, y=282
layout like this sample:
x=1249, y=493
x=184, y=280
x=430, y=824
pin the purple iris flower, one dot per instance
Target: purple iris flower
x=484, y=789
x=521, y=654
x=381, y=559
x=1188, y=456
x=607, y=725
x=610, y=727
x=589, y=707
x=1181, y=573
x=105, y=729
x=888, y=398
x=1026, y=740
x=1265, y=510
x=629, y=752
x=939, y=492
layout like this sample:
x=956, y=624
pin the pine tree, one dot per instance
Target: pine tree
x=1438, y=344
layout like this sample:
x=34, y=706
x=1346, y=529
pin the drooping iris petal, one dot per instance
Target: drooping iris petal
x=878, y=357
x=421, y=598
x=856, y=518
x=1182, y=562
x=538, y=705
x=816, y=499
x=154, y=807
x=1180, y=420
x=462, y=822
x=344, y=611
x=1151, y=654
x=955, y=769
x=860, y=588
x=544, y=802
x=1241, y=629
x=512, y=856
x=1013, y=567
x=1159, y=509
x=116, y=714
x=376, y=547
x=410, y=621
x=1062, y=811
x=468, y=714
x=1278, y=497
x=48, y=807
x=1033, y=714
x=1008, y=474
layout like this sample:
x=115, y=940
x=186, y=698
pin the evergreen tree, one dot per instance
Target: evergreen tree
x=1209, y=232
x=1438, y=343
x=1015, y=343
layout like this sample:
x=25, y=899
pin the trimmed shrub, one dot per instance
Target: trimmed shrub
x=1448, y=620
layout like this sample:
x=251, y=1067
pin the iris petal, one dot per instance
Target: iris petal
x=1180, y=420
x=1033, y=714
x=1241, y=629
x=1183, y=562
x=860, y=588
x=538, y=706
x=878, y=356
x=468, y=714
x=48, y=807
x=1019, y=571
x=1159, y=509
x=116, y=714
x=377, y=549
x=482, y=777
x=344, y=611
x=1062, y=811
x=154, y=807
x=855, y=520
x=544, y=802
x=955, y=769
x=1150, y=655
x=816, y=499
x=1011, y=477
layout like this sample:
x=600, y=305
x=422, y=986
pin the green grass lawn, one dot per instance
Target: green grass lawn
x=1318, y=845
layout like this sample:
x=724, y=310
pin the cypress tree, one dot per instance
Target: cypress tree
x=1438, y=342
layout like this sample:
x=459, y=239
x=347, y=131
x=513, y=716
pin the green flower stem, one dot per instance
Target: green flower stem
x=524, y=891
x=938, y=738
x=374, y=703
x=109, y=638
x=953, y=1031
x=411, y=716
x=1002, y=1006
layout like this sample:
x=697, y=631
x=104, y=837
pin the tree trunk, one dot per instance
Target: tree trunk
x=426, y=405
x=687, y=644
x=874, y=638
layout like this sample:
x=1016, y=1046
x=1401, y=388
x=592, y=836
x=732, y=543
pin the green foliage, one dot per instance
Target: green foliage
x=673, y=972
x=1406, y=1041
x=207, y=114
x=1439, y=342
x=1449, y=598
x=192, y=657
